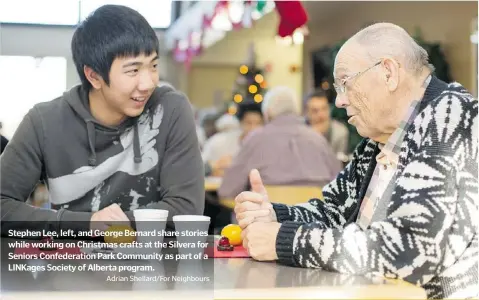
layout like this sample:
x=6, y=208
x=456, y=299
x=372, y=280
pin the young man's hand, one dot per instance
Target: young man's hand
x=108, y=216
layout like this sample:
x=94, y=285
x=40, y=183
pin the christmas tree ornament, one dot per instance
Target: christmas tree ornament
x=235, y=14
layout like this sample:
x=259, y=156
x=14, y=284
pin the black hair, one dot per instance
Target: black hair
x=109, y=32
x=248, y=107
x=318, y=93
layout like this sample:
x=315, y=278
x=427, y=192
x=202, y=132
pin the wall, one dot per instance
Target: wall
x=232, y=51
x=446, y=22
x=37, y=41
x=210, y=84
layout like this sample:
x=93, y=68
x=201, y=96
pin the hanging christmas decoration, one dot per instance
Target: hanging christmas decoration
x=247, y=20
x=224, y=16
x=207, y=21
x=240, y=14
x=260, y=5
x=235, y=11
x=292, y=16
x=180, y=50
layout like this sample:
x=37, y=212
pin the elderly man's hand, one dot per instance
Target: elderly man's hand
x=260, y=240
x=254, y=206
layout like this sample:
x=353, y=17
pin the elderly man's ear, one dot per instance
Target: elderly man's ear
x=391, y=73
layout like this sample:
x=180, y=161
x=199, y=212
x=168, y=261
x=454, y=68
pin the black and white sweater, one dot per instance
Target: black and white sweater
x=429, y=236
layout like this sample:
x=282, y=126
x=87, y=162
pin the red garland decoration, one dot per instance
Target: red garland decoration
x=186, y=55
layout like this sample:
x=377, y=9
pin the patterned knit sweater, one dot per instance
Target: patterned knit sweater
x=429, y=235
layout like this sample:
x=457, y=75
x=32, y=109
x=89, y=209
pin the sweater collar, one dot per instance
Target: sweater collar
x=435, y=87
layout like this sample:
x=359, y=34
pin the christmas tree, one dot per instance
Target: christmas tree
x=250, y=85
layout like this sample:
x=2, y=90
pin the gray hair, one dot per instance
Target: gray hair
x=387, y=39
x=280, y=100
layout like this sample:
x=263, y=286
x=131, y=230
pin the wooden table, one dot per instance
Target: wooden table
x=229, y=278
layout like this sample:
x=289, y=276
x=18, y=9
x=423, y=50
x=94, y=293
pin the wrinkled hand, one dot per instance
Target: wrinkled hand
x=254, y=206
x=108, y=216
x=260, y=240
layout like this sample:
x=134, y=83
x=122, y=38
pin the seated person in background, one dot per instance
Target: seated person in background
x=223, y=146
x=318, y=114
x=217, y=168
x=251, y=118
x=225, y=142
x=208, y=125
x=111, y=145
x=286, y=151
x=406, y=206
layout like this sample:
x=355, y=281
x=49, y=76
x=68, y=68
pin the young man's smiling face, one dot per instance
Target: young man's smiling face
x=132, y=80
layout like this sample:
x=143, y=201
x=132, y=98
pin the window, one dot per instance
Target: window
x=158, y=12
x=69, y=12
x=27, y=81
x=49, y=12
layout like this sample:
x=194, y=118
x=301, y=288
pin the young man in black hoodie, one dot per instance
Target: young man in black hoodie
x=111, y=145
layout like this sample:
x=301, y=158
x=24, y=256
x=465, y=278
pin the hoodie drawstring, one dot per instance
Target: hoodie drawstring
x=136, y=144
x=91, y=141
x=78, y=99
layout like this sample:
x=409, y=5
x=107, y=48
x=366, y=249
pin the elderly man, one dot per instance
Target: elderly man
x=406, y=206
x=286, y=151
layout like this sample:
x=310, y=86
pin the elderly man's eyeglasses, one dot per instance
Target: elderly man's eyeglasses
x=341, y=87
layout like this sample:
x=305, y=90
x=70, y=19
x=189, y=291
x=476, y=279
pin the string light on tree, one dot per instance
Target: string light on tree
x=232, y=109
x=238, y=98
x=259, y=78
x=253, y=89
x=248, y=87
x=244, y=69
